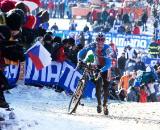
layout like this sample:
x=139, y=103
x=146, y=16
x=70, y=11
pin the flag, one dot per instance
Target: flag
x=39, y=56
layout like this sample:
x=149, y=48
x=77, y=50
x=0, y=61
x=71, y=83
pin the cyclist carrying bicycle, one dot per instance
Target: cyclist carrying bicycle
x=102, y=55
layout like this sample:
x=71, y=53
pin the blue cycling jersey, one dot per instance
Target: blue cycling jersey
x=102, y=57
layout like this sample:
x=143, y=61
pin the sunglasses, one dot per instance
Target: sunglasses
x=100, y=39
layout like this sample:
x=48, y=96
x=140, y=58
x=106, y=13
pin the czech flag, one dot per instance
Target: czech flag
x=39, y=56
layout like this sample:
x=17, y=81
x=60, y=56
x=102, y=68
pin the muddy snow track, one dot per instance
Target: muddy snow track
x=89, y=110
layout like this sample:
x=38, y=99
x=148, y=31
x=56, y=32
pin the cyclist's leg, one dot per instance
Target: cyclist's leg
x=105, y=91
x=98, y=84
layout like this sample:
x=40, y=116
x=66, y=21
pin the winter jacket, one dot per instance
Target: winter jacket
x=143, y=96
x=110, y=20
x=130, y=65
x=58, y=53
x=104, y=16
x=121, y=62
x=144, y=17
x=124, y=82
x=121, y=29
x=140, y=66
x=125, y=18
x=132, y=95
x=136, y=30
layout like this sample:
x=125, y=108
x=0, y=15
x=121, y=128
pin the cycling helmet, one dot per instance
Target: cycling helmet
x=100, y=37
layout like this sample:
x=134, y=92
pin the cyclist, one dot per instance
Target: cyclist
x=102, y=54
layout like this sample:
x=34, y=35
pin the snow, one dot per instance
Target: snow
x=63, y=24
x=44, y=109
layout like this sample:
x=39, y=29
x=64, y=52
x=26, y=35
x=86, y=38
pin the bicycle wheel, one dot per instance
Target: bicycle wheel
x=76, y=98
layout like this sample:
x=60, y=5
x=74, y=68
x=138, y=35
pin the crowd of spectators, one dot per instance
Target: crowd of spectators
x=18, y=30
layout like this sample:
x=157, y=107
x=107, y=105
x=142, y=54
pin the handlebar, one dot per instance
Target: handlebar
x=90, y=67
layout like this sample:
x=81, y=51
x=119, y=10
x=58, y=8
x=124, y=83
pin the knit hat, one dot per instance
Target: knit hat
x=5, y=33
x=57, y=39
x=20, y=12
x=65, y=41
x=13, y=20
x=7, y=5
x=137, y=84
x=71, y=41
x=47, y=36
x=22, y=6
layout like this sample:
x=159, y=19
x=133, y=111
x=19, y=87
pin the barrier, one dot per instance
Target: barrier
x=121, y=40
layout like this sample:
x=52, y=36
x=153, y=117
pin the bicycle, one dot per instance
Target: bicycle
x=77, y=95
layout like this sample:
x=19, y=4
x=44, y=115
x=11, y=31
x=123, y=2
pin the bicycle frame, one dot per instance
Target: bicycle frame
x=79, y=90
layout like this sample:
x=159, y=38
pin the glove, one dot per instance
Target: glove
x=90, y=58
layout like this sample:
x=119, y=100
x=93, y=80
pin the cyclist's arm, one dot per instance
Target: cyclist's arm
x=107, y=58
x=82, y=54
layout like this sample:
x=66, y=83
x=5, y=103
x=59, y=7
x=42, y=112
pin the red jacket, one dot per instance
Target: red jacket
x=31, y=22
x=94, y=15
x=136, y=30
x=143, y=96
x=61, y=57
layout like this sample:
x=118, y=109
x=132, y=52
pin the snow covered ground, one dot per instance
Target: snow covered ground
x=44, y=109
x=63, y=24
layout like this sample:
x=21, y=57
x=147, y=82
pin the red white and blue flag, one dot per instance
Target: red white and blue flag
x=39, y=56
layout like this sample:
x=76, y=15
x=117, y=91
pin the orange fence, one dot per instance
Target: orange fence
x=83, y=11
x=136, y=11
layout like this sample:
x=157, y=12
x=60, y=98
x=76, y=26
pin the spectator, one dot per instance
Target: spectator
x=125, y=19
x=48, y=42
x=158, y=73
x=54, y=27
x=151, y=92
x=50, y=8
x=132, y=80
x=81, y=39
x=140, y=65
x=4, y=85
x=62, y=8
x=104, y=15
x=121, y=63
x=86, y=28
x=115, y=50
x=121, y=29
x=143, y=94
x=72, y=25
x=133, y=95
x=89, y=19
x=128, y=29
x=7, y=5
x=136, y=30
x=130, y=65
x=124, y=83
x=96, y=27
x=111, y=19
x=144, y=19
x=68, y=44
x=106, y=28
x=130, y=52
x=117, y=23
